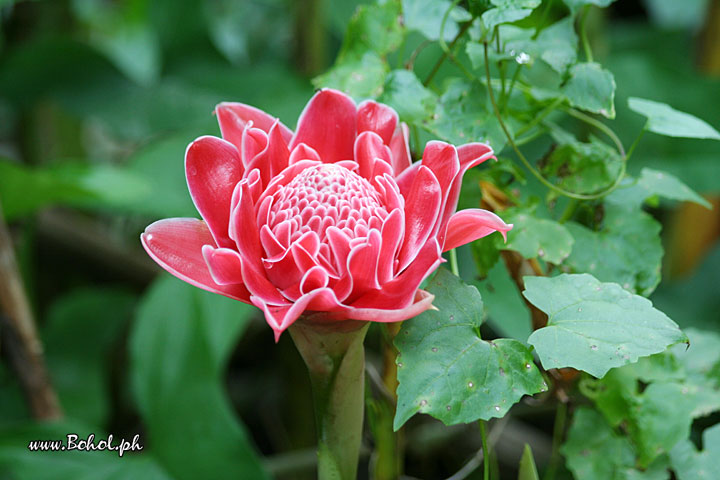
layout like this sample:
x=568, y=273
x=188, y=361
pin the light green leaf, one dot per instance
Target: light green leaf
x=665, y=185
x=689, y=464
x=376, y=27
x=179, y=345
x=576, y=5
x=556, y=44
x=405, y=93
x=528, y=470
x=627, y=250
x=665, y=120
x=497, y=16
x=446, y=370
x=591, y=88
x=537, y=237
x=594, y=326
x=426, y=17
x=360, y=79
x=583, y=167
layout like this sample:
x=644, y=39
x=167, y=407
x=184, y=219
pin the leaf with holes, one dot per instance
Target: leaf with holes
x=447, y=371
x=594, y=326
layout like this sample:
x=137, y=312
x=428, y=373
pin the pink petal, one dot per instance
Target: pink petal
x=176, y=245
x=369, y=149
x=405, y=179
x=233, y=117
x=274, y=158
x=422, y=301
x=362, y=263
x=378, y=118
x=254, y=141
x=422, y=206
x=303, y=152
x=392, y=236
x=400, y=147
x=473, y=154
x=400, y=291
x=213, y=168
x=442, y=159
x=469, y=225
x=224, y=264
x=328, y=125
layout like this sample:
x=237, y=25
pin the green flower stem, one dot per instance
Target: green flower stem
x=335, y=357
x=558, y=433
x=583, y=35
x=486, y=451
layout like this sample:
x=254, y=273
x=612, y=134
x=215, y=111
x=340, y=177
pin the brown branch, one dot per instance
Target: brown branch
x=20, y=337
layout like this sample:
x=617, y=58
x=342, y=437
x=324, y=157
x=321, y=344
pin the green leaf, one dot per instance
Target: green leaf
x=665, y=185
x=689, y=464
x=375, y=28
x=405, y=93
x=528, y=470
x=447, y=371
x=505, y=14
x=661, y=418
x=665, y=120
x=593, y=451
x=507, y=312
x=464, y=115
x=594, y=326
x=576, y=5
x=179, y=345
x=17, y=462
x=583, y=167
x=627, y=250
x=537, y=237
x=591, y=88
x=426, y=16
x=556, y=45
x=361, y=79
x=79, y=335
x=24, y=190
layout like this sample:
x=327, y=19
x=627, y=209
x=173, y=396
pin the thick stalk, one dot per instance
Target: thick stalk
x=335, y=357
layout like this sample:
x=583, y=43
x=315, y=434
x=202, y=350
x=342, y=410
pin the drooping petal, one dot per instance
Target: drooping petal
x=233, y=117
x=421, y=302
x=473, y=154
x=224, y=264
x=213, y=168
x=362, y=263
x=422, y=206
x=393, y=231
x=378, y=118
x=176, y=245
x=400, y=148
x=328, y=125
x=470, y=224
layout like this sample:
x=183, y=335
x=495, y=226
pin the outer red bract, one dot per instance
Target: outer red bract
x=331, y=218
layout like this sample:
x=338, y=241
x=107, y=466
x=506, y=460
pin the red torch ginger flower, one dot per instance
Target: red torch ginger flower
x=332, y=218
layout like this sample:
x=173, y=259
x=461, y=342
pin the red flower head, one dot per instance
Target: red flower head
x=333, y=218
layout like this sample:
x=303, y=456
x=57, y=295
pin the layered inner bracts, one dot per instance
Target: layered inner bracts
x=332, y=218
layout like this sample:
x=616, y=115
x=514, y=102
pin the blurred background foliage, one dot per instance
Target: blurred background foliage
x=98, y=101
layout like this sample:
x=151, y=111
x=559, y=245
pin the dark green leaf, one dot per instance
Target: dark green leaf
x=80, y=332
x=446, y=370
x=179, y=345
x=591, y=88
x=627, y=250
x=665, y=120
x=594, y=326
x=583, y=167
